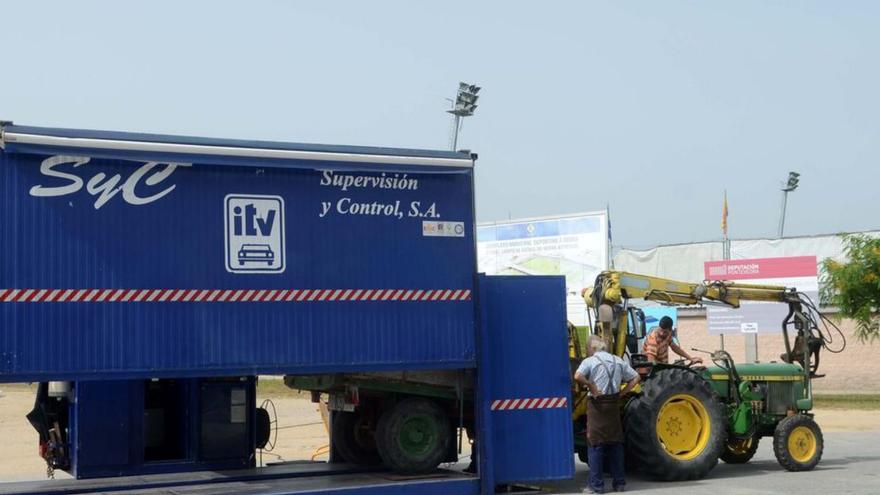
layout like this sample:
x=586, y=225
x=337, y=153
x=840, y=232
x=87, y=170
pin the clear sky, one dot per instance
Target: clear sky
x=652, y=107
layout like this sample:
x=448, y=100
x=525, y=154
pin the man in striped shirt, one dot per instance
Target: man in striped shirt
x=660, y=340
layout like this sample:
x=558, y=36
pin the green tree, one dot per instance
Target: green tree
x=854, y=286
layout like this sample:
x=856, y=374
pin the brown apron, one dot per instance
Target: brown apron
x=603, y=420
x=603, y=414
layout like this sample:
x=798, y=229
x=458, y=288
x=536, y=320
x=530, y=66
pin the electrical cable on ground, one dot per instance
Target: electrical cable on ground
x=300, y=425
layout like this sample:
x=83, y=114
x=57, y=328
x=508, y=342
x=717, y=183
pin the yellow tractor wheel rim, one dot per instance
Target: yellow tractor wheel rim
x=740, y=447
x=683, y=426
x=802, y=444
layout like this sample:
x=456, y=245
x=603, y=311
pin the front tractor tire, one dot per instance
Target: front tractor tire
x=740, y=451
x=676, y=430
x=798, y=443
x=414, y=436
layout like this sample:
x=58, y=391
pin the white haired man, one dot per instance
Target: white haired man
x=602, y=373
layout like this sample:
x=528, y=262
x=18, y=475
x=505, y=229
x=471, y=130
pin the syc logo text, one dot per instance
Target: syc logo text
x=147, y=177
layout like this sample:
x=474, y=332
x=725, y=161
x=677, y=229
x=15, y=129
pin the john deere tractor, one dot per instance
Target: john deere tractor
x=685, y=417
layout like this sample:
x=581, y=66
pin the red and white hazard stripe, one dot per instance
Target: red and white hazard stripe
x=230, y=295
x=529, y=403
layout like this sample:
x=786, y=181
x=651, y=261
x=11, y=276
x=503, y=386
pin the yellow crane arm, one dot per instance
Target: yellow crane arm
x=616, y=286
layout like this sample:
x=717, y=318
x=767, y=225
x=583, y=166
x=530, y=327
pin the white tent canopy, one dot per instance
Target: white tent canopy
x=685, y=261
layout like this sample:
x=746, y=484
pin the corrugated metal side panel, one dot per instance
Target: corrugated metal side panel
x=76, y=241
x=530, y=403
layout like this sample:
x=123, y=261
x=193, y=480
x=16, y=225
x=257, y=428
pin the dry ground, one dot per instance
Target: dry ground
x=301, y=431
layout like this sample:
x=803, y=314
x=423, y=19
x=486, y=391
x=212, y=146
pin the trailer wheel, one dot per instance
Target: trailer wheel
x=414, y=436
x=354, y=438
x=798, y=443
x=740, y=451
x=676, y=429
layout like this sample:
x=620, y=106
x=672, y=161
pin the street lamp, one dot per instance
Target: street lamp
x=787, y=187
x=464, y=106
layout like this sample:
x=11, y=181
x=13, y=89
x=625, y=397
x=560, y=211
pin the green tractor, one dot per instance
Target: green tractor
x=686, y=417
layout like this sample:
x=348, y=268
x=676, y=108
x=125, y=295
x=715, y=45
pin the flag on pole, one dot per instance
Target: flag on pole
x=724, y=216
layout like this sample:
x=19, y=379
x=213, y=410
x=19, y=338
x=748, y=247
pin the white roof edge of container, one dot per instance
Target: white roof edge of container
x=10, y=134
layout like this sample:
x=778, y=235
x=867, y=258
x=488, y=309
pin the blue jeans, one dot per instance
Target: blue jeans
x=598, y=455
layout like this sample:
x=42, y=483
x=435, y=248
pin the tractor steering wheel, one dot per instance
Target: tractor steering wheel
x=687, y=363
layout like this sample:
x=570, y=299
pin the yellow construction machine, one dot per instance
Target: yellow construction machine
x=685, y=417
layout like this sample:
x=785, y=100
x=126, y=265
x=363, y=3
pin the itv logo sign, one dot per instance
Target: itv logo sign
x=254, y=233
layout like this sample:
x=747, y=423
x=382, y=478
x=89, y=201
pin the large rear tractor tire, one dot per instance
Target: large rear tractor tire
x=798, y=443
x=676, y=429
x=740, y=451
x=354, y=438
x=414, y=436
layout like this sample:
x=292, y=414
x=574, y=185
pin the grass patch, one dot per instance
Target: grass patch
x=12, y=387
x=275, y=387
x=847, y=401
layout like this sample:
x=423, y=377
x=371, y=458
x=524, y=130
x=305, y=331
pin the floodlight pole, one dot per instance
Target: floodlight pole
x=456, y=126
x=787, y=187
x=782, y=213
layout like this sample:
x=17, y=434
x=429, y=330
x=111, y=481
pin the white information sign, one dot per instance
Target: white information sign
x=575, y=246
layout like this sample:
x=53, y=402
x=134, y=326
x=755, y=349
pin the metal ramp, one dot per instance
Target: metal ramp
x=283, y=479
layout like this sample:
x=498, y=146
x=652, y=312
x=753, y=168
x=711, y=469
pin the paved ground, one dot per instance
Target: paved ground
x=850, y=464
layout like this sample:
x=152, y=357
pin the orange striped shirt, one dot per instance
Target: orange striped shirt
x=657, y=348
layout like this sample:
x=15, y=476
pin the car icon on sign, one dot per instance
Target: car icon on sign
x=255, y=253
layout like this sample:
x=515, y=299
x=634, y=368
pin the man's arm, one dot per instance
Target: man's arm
x=631, y=376
x=630, y=385
x=580, y=378
x=681, y=352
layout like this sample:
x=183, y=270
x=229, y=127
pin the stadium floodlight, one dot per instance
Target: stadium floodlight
x=787, y=187
x=464, y=106
x=792, y=183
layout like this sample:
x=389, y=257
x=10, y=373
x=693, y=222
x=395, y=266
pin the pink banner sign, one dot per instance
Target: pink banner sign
x=799, y=272
x=761, y=268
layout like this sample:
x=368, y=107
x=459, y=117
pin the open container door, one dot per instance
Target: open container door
x=524, y=380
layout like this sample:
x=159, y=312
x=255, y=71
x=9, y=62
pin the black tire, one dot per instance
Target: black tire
x=681, y=391
x=739, y=451
x=354, y=438
x=413, y=437
x=798, y=443
x=263, y=425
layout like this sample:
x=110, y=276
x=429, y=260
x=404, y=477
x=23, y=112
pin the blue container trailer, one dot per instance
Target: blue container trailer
x=157, y=276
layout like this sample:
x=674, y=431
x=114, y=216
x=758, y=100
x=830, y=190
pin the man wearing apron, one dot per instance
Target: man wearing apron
x=602, y=373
